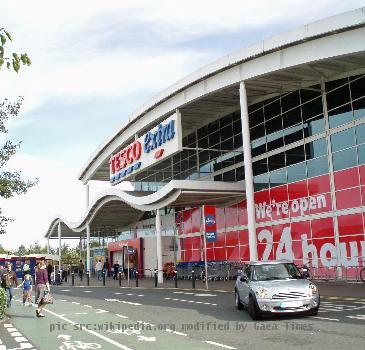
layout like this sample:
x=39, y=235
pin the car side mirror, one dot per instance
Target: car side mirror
x=243, y=278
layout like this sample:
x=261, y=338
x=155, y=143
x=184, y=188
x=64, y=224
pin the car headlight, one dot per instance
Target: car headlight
x=313, y=290
x=262, y=292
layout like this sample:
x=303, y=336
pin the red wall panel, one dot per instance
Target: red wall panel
x=348, y=198
x=346, y=178
x=350, y=225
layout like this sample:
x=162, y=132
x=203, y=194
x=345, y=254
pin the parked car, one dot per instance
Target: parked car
x=273, y=288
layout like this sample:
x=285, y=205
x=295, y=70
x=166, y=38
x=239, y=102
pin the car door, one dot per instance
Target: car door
x=244, y=286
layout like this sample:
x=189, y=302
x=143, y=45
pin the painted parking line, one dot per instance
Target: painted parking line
x=220, y=345
x=191, y=301
x=326, y=318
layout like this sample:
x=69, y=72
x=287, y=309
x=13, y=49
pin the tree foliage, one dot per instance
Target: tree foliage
x=11, y=182
x=13, y=61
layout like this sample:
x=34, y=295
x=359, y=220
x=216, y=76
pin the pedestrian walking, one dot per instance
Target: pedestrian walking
x=81, y=269
x=27, y=285
x=49, y=272
x=116, y=270
x=8, y=281
x=42, y=286
x=98, y=270
x=106, y=267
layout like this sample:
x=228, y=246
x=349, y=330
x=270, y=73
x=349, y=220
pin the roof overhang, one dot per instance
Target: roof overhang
x=114, y=209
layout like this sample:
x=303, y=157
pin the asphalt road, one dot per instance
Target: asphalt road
x=123, y=318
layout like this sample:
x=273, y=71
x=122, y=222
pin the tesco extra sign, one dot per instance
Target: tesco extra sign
x=157, y=144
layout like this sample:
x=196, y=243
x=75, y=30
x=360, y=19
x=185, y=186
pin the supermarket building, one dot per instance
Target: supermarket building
x=271, y=139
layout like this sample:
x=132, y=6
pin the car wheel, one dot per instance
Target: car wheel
x=313, y=312
x=253, y=309
x=237, y=300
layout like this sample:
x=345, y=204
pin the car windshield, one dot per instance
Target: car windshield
x=269, y=272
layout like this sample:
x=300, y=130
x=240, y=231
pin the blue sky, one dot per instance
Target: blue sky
x=95, y=62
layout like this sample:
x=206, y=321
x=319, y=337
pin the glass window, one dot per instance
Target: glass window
x=203, y=157
x=237, y=141
x=290, y=101
x=278, y=177
x=261, y=182
x=292, y=117
x=293, y=134
x=275, y=140
x=318, y=166
x=343, y=139
x=276, y=162
x=357, y=88
x=259, y=167
x=312, y=108
x=227, y=144
x=314, y=126
x=316, y=148
x=203, y=142
x=295, y=155
x=340, y=115
x=203, y=131
x=225, y=121
x=359, y=108
x=334, y=84
x=214, y=126
x=256, y=118
x=338, y=97
x=226, y=132
x=229, y=176
x=361, y=153
x=271, y=110
x=297, y=172
x=214, y=139
x=240, y=173
x=257, y=132
x=360, y=134
x=273, y=125
x=344, y=159
x=258, y=147
x=237, y=127
x=307, y=95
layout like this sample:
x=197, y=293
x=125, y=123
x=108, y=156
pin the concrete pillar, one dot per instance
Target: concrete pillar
x=59, y=245
x=88, y=267
x=248, y=174
x=159, y=247
x=48, y=247
x=87, y=192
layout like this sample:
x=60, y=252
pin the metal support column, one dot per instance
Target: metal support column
x=48, y=247
x=159, y=247
x=88, y=267
x=59, y=245
x=87, y=188
x=247, y=159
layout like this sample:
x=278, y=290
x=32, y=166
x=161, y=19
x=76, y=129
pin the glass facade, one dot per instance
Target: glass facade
x=309, y=176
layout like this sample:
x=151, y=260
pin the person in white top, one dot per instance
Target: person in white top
x=99, y=269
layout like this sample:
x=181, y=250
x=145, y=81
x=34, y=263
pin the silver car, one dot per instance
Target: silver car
x=272, y=288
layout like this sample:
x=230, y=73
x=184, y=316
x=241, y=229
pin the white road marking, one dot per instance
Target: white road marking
x=179, y=333
x=63, y=299
x=121, y=316
x=7, y=325
x=87, y=291
x=20, y=339
x=118, y=293
x=130, y=294
x=101, y=311
x=16, y=334
x=140, y=295
x=88, y=306
x=75, y=302
x=141, y=337
x=358, y=317
x=326, y=318
x=65, y=290
x=220, y=345
x=11, y=330
x=80, y=313
x=191, y=301
x=26, y=346
x=205, y=295
x=120, y=346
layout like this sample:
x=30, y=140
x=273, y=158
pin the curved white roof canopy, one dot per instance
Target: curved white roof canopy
x=302, y=57
x=113, y=208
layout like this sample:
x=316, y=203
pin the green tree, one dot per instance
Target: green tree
x=11, y=182
x=14, y=60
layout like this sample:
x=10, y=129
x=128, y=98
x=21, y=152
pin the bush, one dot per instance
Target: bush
x=2, y=303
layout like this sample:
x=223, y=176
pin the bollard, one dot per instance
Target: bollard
x=193, y=278
x=88, y=278
x=120, y=279
x=104, y=278
x=136, y=278
x=155, y=278
x=175, y=277
x=73, y=278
